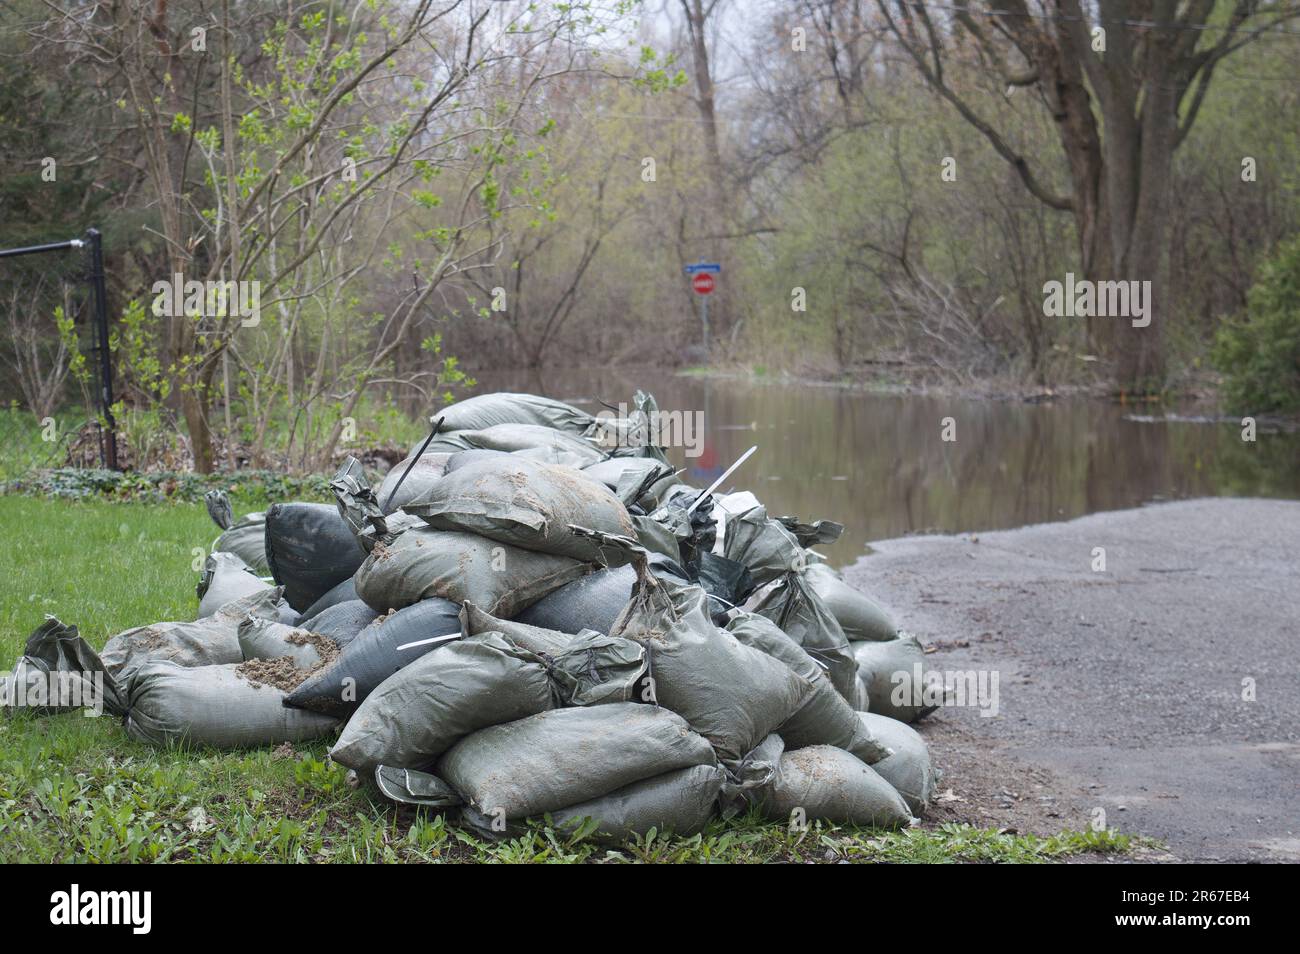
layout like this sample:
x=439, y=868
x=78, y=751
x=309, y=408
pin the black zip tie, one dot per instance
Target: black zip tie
x=414, y=460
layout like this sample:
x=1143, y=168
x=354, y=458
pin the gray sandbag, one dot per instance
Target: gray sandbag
x=503, y=407
x=373, y=655
x=752, y=776
x=410, y=787
x=525, y=440
x=426, y=471
x=310, y=549
x=800, y=613
x=427, y=707
x=888, y=671
x=525, y=504
x=632, y=479
x=857, y=614
x=825, y=718
x=655, y=537
x=728, y=692
x=58, y=671
x=682, y=802
x=360, y=509
x=244, y=538
x=423, y=563
x=342, y=593
x=823, y=782
x=215, y=706
x=586, y=669
x=591, y=602
x=342, y=622
x=467, y=457
x=225, y=578
x=266, y=639
x=762, y=544
x=211, y=641
x=908, y=766
x=564, y=757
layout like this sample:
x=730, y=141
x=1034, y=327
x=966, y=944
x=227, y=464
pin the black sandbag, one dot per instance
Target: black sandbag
x=373, y=656
x=726, y=580
x=342, y=593
x=341, y=622
x=310, y=549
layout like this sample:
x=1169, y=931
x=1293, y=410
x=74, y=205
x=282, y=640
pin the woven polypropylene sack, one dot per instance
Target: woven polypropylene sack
x=342, y=622
x=213, y=706
x=826, y=783
x=857, y=614
x=310, y=549
x=889, y=671
x=423, y=563
x=908, y=767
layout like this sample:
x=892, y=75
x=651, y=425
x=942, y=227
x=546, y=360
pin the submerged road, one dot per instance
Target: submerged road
x=1163, y=690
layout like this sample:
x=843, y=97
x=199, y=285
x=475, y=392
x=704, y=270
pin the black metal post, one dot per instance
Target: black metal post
x=96, y=243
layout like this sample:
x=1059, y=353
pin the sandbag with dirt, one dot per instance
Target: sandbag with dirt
x=681, y=802
x=217, y=706
x=526, y=504
x=211, y=641
x=373, y=655
x=826, y=783
x=342, y=622
x=422, y=563
x=425, y=471
x=266, y=639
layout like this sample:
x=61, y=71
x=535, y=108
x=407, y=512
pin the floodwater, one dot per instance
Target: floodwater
x=879, y=463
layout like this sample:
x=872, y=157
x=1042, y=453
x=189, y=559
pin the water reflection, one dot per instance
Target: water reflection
x=877, y=463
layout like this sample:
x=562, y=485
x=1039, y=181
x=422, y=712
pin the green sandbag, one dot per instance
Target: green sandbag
x=799, y=611
x=681, y=802
x=267, y=639
x=586, y=669
x=887, y=670
x=211, y=641
x=425, y=708
x=214, y=706
x=858, y=616
x=59, y=671
x=423, y=562
x=762, y=544
x=225, y=578
x=503, y=407
x=812, y=533
x=823, y=782
x=564, y=757
x=731, y=694
x=826, y=718
x=908, y=766
x=525, y=504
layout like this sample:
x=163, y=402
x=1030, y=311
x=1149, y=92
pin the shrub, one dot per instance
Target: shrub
x=1259, y=351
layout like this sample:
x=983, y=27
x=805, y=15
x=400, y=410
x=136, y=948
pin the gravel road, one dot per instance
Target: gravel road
x=1163, y=689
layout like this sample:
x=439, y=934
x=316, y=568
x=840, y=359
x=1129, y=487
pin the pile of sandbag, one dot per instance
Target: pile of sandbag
x=531, y=619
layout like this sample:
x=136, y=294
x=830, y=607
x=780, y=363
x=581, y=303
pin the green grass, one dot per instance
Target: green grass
x=77, y=789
